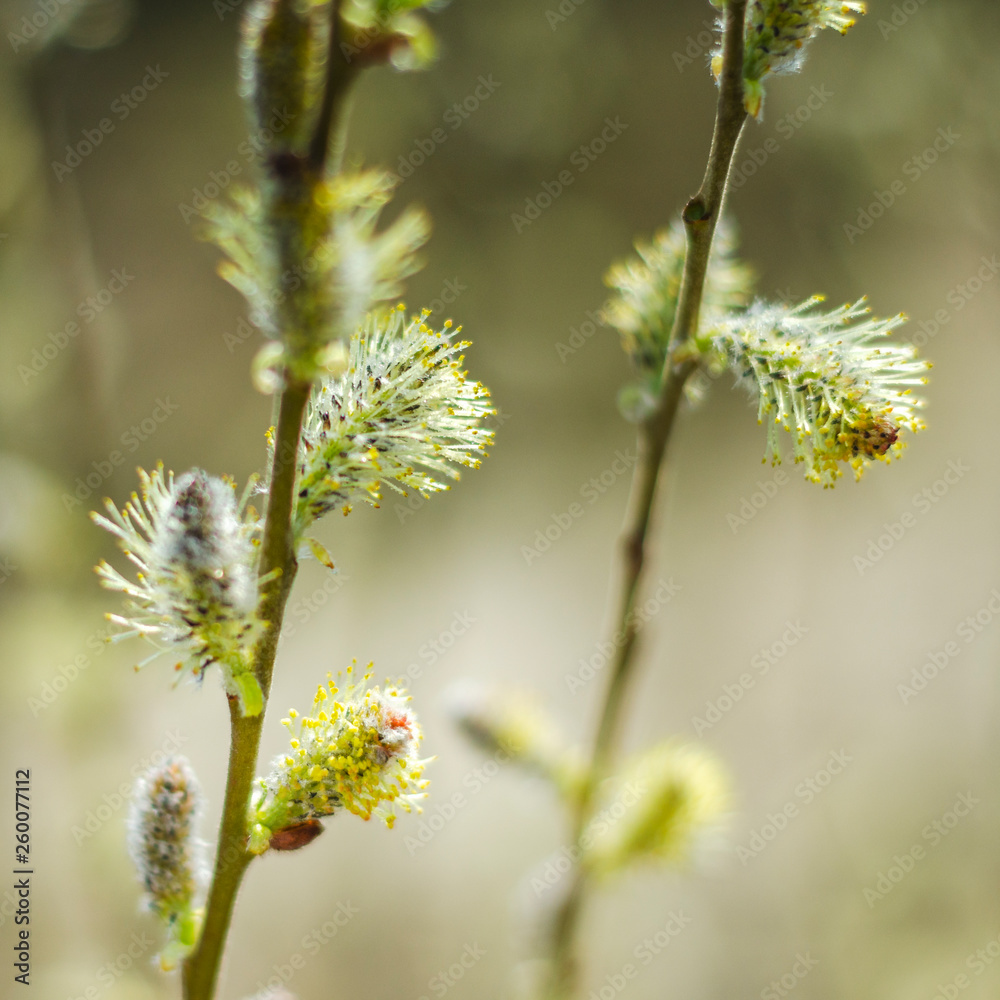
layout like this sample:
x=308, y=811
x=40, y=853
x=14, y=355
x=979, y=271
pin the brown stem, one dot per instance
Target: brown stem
x=653, y=437
x=701, y=215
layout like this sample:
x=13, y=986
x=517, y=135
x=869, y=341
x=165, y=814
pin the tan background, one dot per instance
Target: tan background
x=405, y=579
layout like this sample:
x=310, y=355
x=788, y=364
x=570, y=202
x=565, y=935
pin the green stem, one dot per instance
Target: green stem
x=278, y=564
x=653, y=437
x=338, y=81
x=201, y=970
x=701, y=215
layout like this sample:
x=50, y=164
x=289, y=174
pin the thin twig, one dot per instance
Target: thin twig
x=278, y=565
x=338, y=78
x=701, y=215
x=277, y=553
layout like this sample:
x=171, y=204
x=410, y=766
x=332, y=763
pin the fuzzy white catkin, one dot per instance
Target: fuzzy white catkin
x=196, y=591
x=200, y=536
x=162, y=840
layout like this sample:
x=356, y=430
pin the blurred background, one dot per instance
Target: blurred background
x=120, y=347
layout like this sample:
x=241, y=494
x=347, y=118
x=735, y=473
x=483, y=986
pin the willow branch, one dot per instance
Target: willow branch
x=339, y=77
x=278, y=567
x=277, y=554
x=701, y=215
